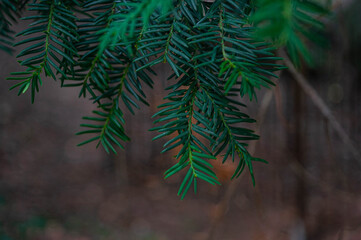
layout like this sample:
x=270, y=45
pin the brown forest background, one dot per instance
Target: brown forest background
x=52, y=190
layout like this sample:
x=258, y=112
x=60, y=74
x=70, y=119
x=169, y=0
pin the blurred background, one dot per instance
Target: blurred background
x=53, y=190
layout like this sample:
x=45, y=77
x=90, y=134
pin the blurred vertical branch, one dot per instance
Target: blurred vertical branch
x=296, y=142
x=322, y=107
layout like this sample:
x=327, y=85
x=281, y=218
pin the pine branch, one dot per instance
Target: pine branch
x=126, y=19
x=112, y=125
x=9, y=13
x=295, y=25
x=54, y=25
x=222, y=206
x=92, y=61
x=193, y=152
x=231, y=136
x=211, y=47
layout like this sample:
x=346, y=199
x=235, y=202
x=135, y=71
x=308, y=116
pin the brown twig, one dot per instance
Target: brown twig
x=321, y=105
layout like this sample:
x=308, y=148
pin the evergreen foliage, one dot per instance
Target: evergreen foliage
x=218, y=50
x=8, y=14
